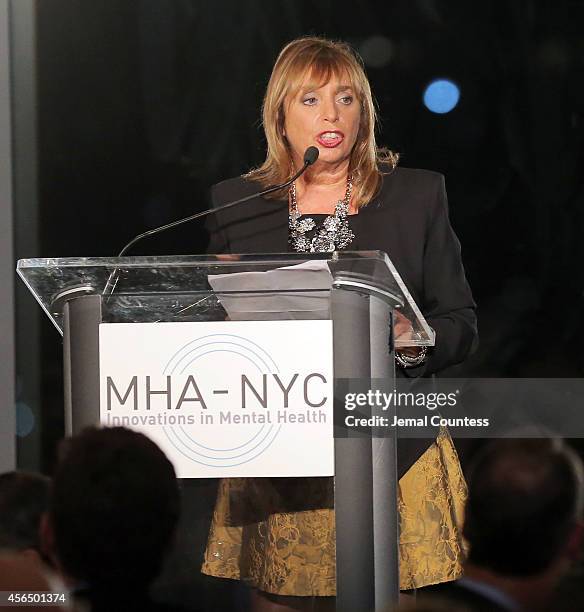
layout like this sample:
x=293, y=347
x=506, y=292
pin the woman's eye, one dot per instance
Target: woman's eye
x=309, y=101
x=346, y=100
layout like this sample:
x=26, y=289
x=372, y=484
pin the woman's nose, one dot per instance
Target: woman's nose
x=331, y=111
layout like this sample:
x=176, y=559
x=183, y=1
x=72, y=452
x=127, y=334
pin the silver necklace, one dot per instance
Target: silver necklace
x=332, y=234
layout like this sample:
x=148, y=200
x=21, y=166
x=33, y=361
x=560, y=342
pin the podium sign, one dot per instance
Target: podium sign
x=224, y=398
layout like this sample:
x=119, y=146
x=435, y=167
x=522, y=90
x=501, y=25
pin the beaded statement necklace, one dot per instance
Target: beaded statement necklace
x=332, y=234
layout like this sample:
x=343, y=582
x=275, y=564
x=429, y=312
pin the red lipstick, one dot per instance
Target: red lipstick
x=330, y=138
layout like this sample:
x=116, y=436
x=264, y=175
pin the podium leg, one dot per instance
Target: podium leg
x=365, y=467
x=82, y=317
x=384, y=463
x=353, y=468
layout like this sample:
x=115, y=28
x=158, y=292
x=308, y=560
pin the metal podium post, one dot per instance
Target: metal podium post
x=82, y=316
x=365, y=467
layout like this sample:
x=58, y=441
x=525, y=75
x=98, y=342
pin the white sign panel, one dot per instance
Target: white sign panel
x=226, y=398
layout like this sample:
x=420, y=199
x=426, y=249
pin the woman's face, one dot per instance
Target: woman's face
x=326, y=117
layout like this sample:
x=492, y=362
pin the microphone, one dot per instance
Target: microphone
x=310, y=156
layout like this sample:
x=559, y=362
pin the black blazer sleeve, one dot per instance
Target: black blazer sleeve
x=448, y=304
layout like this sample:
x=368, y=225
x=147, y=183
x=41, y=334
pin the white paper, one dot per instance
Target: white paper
x=274, y=303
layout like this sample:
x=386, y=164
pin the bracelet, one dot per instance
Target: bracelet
x=405, y=361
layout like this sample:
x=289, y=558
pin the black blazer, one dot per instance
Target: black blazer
x=408, y=219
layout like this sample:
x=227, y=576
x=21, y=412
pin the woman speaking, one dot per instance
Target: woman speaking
x=355, y=196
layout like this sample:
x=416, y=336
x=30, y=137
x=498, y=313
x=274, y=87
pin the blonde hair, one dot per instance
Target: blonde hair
x=321, y=59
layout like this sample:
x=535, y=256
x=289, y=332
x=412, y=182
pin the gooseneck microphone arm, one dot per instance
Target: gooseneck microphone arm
x=310, y=156
x=309, y=159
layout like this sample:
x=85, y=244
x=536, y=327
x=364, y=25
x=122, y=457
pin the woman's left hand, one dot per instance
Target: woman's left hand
x=403, y=330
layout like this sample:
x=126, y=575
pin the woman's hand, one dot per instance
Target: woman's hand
x=403, y=330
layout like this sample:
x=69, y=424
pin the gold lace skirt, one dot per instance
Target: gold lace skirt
x=293, y=552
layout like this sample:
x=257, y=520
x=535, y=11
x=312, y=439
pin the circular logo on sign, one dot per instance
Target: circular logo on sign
x=250, y=441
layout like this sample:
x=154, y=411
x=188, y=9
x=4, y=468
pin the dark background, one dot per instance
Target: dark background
x=142, y=105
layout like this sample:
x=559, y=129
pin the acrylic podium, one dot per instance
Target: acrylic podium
x=354, y=293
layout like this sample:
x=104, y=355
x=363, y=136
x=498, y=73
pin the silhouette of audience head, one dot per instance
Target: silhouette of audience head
x=24, y=498
x=524, y=507
x=113, y=510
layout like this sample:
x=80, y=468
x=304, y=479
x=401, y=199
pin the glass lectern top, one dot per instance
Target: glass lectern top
x=170, y=288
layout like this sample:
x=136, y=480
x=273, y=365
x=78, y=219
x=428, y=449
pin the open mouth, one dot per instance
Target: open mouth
x=330, y=139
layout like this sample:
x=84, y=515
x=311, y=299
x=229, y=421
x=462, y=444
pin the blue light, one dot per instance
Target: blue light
x=25, y=420
x=441, y=96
